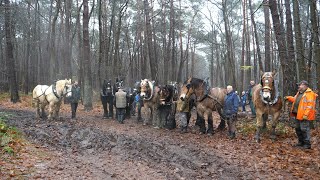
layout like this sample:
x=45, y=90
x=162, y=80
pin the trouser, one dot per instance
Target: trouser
x=231, y=125
x=133, y=109
x=73, y=109
x=138, y=107
x=244, y=108
x=303, y=131
x=253, y=111
x=120, y=114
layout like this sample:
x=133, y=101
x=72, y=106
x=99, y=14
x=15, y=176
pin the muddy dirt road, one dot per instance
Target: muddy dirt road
x=95, y=148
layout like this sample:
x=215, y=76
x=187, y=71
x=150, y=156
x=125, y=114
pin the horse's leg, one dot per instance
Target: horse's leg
x=43, y=113
x=210, y=123
x=222, y=124
x=259, y=124
x=110, y=107
x=36, y=103
x=155, y=116
x=201, y=123
x=146, y=113
x=265, y=118
x=57, y=109
x=275, y=120
x=51, y=109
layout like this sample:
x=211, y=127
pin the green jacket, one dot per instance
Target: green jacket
x=183, y=106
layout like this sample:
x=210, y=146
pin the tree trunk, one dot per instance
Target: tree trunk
x=11, y=71
x=288, y=65
x=87, y=98
x=67, y=41
x=299, y=42
x=315, y=37
x=267, y=60
x=152, y=60
x=256, y=37
x=289, y=34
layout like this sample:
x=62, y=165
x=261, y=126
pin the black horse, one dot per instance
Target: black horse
x=107, y=96
x=167, y=107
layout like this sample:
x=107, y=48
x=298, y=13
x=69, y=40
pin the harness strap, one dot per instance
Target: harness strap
x=54, y=90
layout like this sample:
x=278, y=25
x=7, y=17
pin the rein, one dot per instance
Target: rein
x=54, y=90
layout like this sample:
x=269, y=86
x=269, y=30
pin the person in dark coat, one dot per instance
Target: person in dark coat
x=74, y=99
x=230, y=110
x=243, y=101
x=249, y=97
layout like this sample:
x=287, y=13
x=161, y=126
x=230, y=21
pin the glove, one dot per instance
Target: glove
x=305, y=117
x=285, y=98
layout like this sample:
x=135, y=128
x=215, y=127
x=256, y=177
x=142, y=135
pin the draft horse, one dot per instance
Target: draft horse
x=44, y=95
x=167, y=107
x=150, y=96
x=106, y=96
x=267, y=101
x=207, y=100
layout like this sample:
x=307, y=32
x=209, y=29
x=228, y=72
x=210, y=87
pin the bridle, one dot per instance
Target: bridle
x=268, y=86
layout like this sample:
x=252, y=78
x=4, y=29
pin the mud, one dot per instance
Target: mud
x=95, y=148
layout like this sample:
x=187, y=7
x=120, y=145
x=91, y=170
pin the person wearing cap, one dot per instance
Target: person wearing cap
x=304, y=111
x=230, y=110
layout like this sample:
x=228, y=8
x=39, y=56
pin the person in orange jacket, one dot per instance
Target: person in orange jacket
x=303, y=110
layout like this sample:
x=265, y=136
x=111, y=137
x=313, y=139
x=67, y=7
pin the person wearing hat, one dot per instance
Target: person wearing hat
x=303, y=110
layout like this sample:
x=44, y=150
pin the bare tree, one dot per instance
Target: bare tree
x=87, y=80
x=11, y=71
x=299, y=41
x=288, y=65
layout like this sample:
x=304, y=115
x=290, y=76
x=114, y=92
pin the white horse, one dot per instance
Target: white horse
x=44, y=95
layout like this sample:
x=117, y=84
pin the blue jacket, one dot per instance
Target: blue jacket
x=231, y=104
x=244, y=99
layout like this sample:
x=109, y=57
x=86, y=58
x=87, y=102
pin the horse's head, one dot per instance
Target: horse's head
x=267, y=82
x=107, y=87
x=119, y=84
x=187, y=90
x=146, y=89
x=64, y=87
x=166, y=93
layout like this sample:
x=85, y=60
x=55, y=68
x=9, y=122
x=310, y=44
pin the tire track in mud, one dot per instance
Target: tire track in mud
x=107, y=153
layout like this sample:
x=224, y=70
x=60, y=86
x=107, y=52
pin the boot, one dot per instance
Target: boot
x=299, y=144
x=183, y=130
x=232, y=135
x=306, y=145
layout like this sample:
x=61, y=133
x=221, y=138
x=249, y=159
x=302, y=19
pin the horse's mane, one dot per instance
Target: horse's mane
x=195, y=82
x=170, y=88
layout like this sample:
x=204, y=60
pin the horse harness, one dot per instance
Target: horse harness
x=54, y=90
x=267, y=86
x=206, y=95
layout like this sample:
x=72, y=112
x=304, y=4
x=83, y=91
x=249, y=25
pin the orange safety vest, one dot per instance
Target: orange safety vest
x=307, y=105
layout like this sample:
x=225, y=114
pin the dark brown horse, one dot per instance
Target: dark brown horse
x=207, y=100
x=267, y=101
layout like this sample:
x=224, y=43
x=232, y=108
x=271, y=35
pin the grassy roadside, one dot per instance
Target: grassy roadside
x=10, y=137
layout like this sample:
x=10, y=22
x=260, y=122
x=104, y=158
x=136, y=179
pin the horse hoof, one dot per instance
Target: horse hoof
x=210, y=134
